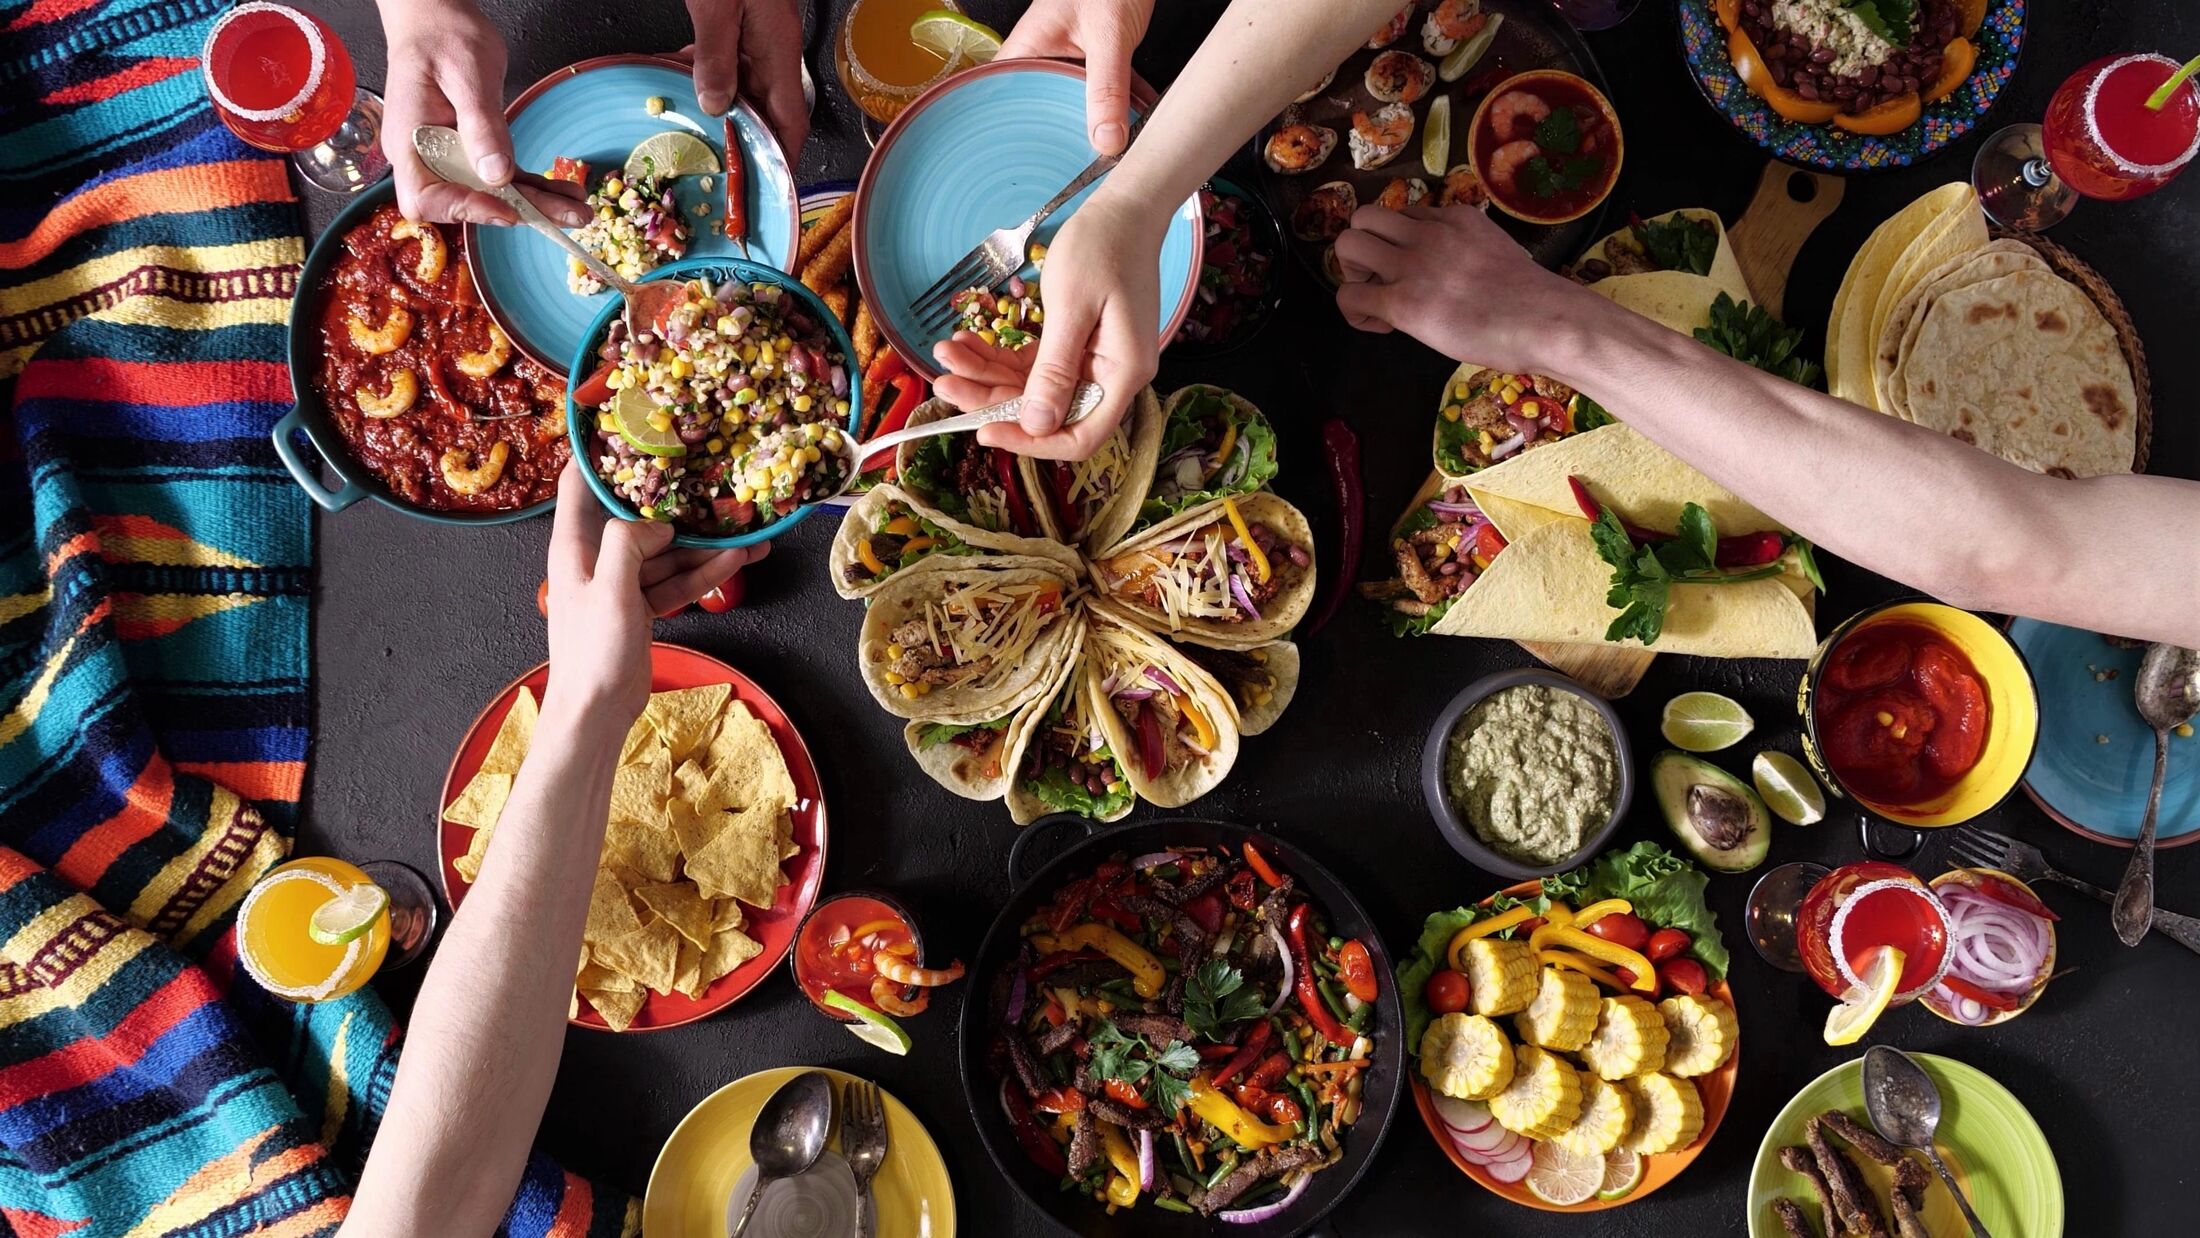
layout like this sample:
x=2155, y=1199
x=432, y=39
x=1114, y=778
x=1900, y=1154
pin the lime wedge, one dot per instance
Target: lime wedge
x=1462, y=57
x=347, y=917
x=950, y=35
x=1861, y=1006
x=1788, y=789
x=1704, y=722
x=1436, y=137
x=871, y=1027
x=632, y=410
x=671, y=153
x=1622, y=1173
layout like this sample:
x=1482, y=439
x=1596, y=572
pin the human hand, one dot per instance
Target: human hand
x=446, y=67
x=608, y=579
x=1454, y=280
x=1102, y=33
x=756, y=44
x=1101, y=298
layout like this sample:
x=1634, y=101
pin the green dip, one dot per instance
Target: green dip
x=1533, y=769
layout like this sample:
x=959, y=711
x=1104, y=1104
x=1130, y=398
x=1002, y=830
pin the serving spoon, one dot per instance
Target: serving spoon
x=789, y=1135
x=1904, y=1106
x=1082, y=400
x=2167, y=692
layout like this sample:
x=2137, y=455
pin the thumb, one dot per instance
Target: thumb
x=481, y=125
x=1054, y=374
x=1108, y=92
x=717, y=53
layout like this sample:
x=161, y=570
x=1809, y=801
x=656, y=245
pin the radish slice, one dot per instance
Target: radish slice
x=1512, y=1147
x=1512, y=1171
x=1487, y=1140
x=1463, y=1116
x=1469, y=1155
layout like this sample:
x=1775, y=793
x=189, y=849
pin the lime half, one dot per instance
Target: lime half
x=871, y=1027
x=346, y=918
x=949, y=35
x=1622, y=1174
x=1704, y=722
x=1788, y=788
x=1463, y=57
x=1862, y=1005
x=1436, y=137
x=633, y=409
x=671, y=153
x=1557, y=1176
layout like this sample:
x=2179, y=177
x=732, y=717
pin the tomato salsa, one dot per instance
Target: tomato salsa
x=1903, y=715
x=1546, y=146
x=835, y=950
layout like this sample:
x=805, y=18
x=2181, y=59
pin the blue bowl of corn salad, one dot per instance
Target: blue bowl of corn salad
x=723, y=420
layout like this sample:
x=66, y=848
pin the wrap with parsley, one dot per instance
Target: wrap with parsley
x=1173, y=727
x=1065, y=761
x=1233, y=574
x=888, y=532
x=1669, y=268
x=1210, y=443
x=978, y=760
x=1092, y=502
x=965, y=644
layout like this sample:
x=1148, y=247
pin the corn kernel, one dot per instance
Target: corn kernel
x=746, y=395
x=1883, y=718
x=1037, y=315
x=1451, y=412
x=909, y=692
x=831, y=440
x=988, y=336
x=716, y=446
x=811, y=454
x=624, y=475
x=1002, y=305
x=896, y=678
x=893, y=652
x=764, y=354
x=1459, y=392
x=2184, y=730
x=654, y=105
x=660, y=421
x=742, y=494
x=801, y=403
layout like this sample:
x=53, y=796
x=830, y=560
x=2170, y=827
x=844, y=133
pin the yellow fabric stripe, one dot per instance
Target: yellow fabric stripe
x=154, y=310
x=16, y=605
x=19, y=719
x=55, y=291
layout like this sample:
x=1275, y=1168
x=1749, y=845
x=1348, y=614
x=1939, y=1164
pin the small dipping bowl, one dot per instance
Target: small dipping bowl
x=812, y=923
x=1972, y=877
x=1452, y=821
x=1529, y=80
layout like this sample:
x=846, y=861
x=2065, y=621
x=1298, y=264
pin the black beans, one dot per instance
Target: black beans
x=1868, y=75
x=1806, y=88
x=1845, y=91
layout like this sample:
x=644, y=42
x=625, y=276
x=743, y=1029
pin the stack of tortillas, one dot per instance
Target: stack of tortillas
x=1982, y=340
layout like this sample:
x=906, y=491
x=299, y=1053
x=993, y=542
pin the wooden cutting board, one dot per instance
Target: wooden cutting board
x=1789, y=203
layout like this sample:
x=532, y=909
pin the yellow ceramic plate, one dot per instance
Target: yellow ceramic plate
x=709, y=1149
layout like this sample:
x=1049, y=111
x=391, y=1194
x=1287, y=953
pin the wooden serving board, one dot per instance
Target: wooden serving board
x=1788, y=205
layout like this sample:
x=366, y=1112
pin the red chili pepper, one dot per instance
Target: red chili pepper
x=1122, y=1093
x=1217, y=1053
x=1240, y=890
x=2014, y=895
x=737, y=190
x=908, y=392
x=1256, y=1042
x=1055, y=962
x=1259, y=864
x=1750, y=549
x=1270, y=1071
x=1984, y=997
x=1343, y=449
x=1019, y=512
x=1059, y=1100
x=1592, y=509
x=726, y=596
x=1105, y=909
x=1044, y=1152
x=1310, y=998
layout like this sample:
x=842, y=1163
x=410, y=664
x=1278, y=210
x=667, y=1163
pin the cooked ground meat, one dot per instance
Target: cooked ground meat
x=1853, y=1200
x=1084, y=1143
x=1158, y=1029
x=1791, y=1216
x=974, y=470
x=1800, y=1160
x=1125, y=1116
x=1270, y=1163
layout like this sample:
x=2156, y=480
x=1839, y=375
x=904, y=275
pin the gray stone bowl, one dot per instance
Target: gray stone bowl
x=1456, y=829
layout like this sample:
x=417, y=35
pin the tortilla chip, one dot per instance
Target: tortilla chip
x=638, y=790
x=639, y=738
x=610, y=912
x=481, y=802
x=694, y=826
x=651, y=851
x=783, y=830
x=651, y=956
x=514, y=734
x=687, y=974
x=685, y=717
x=617, y=1009
x=728, y=949
x=681, y=906
x=744, y=763
x=743, y=860
x=726, y=914
x=594, y=975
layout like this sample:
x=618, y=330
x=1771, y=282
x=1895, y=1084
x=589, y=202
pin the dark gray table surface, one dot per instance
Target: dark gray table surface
x=417, y=625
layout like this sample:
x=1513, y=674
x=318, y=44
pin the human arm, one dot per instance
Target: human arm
x=489, y=1023
x=2111, y=554
x=1101, y=287
x=1102, y=33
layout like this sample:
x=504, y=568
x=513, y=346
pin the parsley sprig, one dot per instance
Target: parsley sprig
x=1744, y=331
x=1167, y=1071
x=1549, y=174
x=1643, y=576
x=1892, y=20
x=1215, y=996
x=1679, y=243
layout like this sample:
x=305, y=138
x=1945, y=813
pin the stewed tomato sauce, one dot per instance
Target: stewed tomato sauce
x=1903, y=714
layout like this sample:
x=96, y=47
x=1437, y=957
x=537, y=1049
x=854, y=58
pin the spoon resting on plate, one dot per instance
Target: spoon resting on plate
x=1082, y=400
x=1904, y=1107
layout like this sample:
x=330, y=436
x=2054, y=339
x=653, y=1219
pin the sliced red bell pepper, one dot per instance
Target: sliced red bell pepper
x=1105, y=909
x=1122, y=1093
x=1240, y=890
x=908, y=392
x=1206, y=912
x=1271, y=1070
x=885, y=367
x=1342, y=447
x=1019, y=511
x=1043, y=1151
x=1357, y=968
x=1149, y=741
x=1059, y=1100
x=1216, y=1052
x=1055, y=962
x=1256, y=1043
x=1984, y=997
x=2014, y=896
x=1310, y=998
x=1259, y=864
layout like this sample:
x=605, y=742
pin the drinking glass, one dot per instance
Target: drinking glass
x=1859, y=908
x=2100, y=138
x=282, y=81
x=276, y=944
x=881, y=67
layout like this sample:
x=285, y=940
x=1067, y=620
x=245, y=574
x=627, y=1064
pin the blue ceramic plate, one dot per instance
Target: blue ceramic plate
x=2097, y=789
x=595, y=111
x=1999, y=38
x=718, y=270
x=983, y=150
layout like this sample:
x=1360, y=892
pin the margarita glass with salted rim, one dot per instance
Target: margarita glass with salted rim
x=276, y=944
x=1857, y=909
x=2102, y=138
x=282, y=81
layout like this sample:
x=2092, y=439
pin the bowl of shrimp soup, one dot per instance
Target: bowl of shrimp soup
x=1546, y=145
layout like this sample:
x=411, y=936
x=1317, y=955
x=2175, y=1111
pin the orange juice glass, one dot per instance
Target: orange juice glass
x=882, y=69
x=276, y=947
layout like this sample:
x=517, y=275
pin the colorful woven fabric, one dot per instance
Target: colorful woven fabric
x=154, y=577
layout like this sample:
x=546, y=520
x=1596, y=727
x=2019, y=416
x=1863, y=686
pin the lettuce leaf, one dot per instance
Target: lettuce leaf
x=931, y=464
x=1666, y=891
x=933, y=734
x=1251, y=466
x=1054, y=789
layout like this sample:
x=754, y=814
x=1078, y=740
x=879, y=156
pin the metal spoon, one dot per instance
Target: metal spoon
x=789, y=1134
x=445, y=155
x=1082, y=400
x=2167, y=691
x=1904, y=1106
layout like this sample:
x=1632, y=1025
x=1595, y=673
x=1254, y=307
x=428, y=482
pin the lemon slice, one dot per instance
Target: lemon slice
x=1622, y=1174
x=347, y=917
x=671, y=153
x=949, y=35
x=632, y=410
x=1862, y=1005
x=1557, y=1176
x=1787, y=788
x=1462, y=57
x=1704, y=722
x=1436, y=137
x=871, y=1027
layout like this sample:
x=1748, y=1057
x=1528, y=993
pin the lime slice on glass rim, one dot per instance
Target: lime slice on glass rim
x=1436, y=137
x=948, y=35
x=631, y=409
x=1704, y=722
x=1788, y=789
x=669, y=154
x=871, y=1027
x=1622, y=1174
x=346, y=917
x=1862, y=1005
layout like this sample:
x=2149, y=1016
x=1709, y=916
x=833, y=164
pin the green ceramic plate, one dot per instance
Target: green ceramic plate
x=1993, y=1146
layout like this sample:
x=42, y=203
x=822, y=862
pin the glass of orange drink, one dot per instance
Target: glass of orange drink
x=882, y=67
x=318, y=928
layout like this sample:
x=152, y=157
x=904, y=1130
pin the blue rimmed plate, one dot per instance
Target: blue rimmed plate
x=1999, y=40
x=2096, y=788
x=983, y=150
x=595, y=110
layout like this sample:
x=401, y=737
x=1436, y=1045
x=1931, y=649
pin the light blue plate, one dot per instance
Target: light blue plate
x=2097, y=789
x=983, y=150
x=595, y=111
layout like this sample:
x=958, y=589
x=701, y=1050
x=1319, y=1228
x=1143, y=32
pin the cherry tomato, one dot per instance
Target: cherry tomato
x=1357, y=970
x=1626, y=976
x=1446, y=992
x=1621, y=928
x=1125, y=1094
x=725, y=597
x=1665, y=943
x=542, y=599
x=1282, y=1110
x=596, y=388
x=1685, y=976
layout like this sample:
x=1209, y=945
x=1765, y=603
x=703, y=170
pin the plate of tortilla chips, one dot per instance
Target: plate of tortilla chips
x=714, y=851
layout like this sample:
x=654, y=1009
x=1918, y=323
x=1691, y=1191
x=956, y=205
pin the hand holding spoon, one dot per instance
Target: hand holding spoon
x=789, y=1135
x=1904, y=1106
x=2167, y=691
x=1084, y=399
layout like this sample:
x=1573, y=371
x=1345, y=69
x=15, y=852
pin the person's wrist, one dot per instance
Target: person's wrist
x=590, y=712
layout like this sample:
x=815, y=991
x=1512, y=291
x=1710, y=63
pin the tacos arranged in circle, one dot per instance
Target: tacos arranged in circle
x=1092, y=502
x=1235, y=573
x=965, y=645
x=1260, y=681
x=1489, y=416
x=1066, y=761
x=887, y=532
x=1172, y=725
x=1213, y=444
x=963, y=479
x=978, y=760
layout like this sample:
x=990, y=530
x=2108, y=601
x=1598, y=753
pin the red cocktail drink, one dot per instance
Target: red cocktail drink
x=281, y=79
x=2103, y=139
x=1858, y=908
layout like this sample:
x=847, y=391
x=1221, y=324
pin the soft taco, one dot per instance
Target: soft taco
x=1260, y=681
x=966, y=644
x=1236, y=573
x=887, y=532
x=1439, y=547
x=1170, y=722
x=1213, y=444
x=1686, y=242
x=1092, y=502
x=1066, y=761
x=1488, y=416
x=977, y=760
x=963, y=479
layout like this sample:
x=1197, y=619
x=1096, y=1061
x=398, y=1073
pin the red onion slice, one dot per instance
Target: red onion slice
x=1253, y=1216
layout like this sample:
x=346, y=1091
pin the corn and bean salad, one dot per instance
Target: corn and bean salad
x=727, y=417
x=637, y=228
x=1008, y=318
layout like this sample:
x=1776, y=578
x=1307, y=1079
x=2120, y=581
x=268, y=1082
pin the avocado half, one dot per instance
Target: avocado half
x=1718, y=817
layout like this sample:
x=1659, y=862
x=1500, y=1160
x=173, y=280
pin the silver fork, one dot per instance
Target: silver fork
x=863, y=1143
x=1980, y=847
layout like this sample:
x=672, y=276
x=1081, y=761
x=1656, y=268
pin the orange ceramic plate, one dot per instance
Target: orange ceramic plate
x=672, y=667
x=1716, y=1089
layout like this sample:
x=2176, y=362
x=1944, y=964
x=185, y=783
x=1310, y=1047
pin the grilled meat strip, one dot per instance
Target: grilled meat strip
x=1191, y=940
x=1125, y=1116
x=1853, y=1200
x=1055, y=1039
x=1084, y=1144
x=1085, y=974
x=1268, y=1163
x=1159, y=1029
x=1861, y=1137
x=1908, y=1219
x=1028, y=1073
x=1178, y=895
x=1790, y=1213
x=1799, y=1159
x=1911, y=1175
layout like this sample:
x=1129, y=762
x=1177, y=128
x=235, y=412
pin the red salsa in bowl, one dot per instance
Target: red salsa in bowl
x=1546, y=146
x=1237, y=281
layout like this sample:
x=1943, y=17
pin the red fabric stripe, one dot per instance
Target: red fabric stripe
x=44, y=11
x=143, y=73
x=79, y=1063
x=168, y=384
x=252, y=780
x=574, y=1211
x=144, y=811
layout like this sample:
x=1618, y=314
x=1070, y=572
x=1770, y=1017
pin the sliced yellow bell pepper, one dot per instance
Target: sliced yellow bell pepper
x=1122, y=1191
x=1245, y=535
x=869, y=558
x=1455, y=953
x=901, y=526
x=1559, y=913
x=915, y=544
x=1147, y=973
x=1598, y=910
x=1117, y=1146
x=1223, y=1114
x=1574, y=962
x=1208, y=739
x=1646, y=976
x=1222, y=454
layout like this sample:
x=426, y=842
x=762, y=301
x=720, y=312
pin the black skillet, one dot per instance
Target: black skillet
x=1075, y=1213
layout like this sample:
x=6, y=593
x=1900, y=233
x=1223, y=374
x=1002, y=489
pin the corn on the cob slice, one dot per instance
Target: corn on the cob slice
x=1543, y=1098
x=1629, y=1039
x=1701, y=1034
x=1607, y=1110
x=1668, y=1114
x=1467, y=1056
x=1564, y=1013
x=1500, y=975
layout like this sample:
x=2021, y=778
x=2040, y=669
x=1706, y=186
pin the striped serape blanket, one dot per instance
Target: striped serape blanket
x=154, y=654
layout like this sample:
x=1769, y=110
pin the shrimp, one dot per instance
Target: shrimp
x=404, y=390
x=428, y=268
x=465, y=477
x=1502, y=168
x=1299, y=148
x=1451, y=23
x=1391, y=29
x=1326, y=212
x=1377, y=138
x=1402, y=192
x=396, y=328
x=897, y=968
x=1462, y=188
x=886, y=995
x=1516, y=113
x=1399, y=77
x=489, y=360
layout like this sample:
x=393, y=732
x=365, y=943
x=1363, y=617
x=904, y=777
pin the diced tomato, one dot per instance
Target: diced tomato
x=1059, y=1100
x=542, y=599
x=595, y=389
x=1357, y=969
x=1488, y=541
x=1206, y=912
x=1446, y=992
x=729, y=510
x=1240, y=889
x=1665, y=943
x=725, y=597
x=1684, y=976
x=1621, y=928
x=568, y=169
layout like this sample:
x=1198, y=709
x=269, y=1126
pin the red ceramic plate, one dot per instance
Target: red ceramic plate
x=672, y=667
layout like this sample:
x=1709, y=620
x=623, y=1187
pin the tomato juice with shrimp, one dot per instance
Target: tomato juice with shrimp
x=1546, y=145
x=834, y=951
x=1902, y=714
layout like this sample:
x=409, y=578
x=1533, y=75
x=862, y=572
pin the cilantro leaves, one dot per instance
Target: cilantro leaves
x=1643, y=576
x=1744, y=331
x=1549, y=174
x=1116, y=1056
x=1892, y=20
x=1215, y=996
x=1679, y=243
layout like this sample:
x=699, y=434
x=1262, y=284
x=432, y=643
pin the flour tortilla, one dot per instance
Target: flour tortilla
x=1645, y=483
x=1996, y=259
x=1961, y=230
x=1005, y=688
x=1277, y=618
x=1123, y=649
x=1725, y=274
x=1146, y=466
x=1083, y=687
x=1112, y=470
x=863, y=514
x=1277, y=662
x=989, y=510
x=2025, y=366
x=963, y=770
x=1848, y=332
